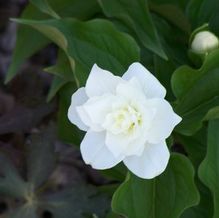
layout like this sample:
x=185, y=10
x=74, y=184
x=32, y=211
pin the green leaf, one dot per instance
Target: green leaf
x=196, y=147
x=11, y=184
x=165, y=196
x=200, y=11
x=28, y=42
x=81, y=9
x=209, y=170
x=172, y=14
x=41, y=157
x=179, y=3
x=163, y=71
x=136, y=15
x=173, y=39
x=63, y=74
x=197, y=92
x=45, y=7
x=117, y=173
x=95, y=41
x=205, y=207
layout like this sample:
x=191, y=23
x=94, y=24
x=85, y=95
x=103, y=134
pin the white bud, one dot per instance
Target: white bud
x=204, y=42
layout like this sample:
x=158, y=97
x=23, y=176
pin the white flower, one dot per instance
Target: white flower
x=127, y=119
x=204, y=42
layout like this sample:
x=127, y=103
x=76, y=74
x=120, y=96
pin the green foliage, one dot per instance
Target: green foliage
x=165, y=196
x=135, y=14
x=208, y=170
x=197, y=92
x=114, y=34
x=24, y=46
x=98, y=38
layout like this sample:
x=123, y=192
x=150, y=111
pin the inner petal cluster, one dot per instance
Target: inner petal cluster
x=123, y=120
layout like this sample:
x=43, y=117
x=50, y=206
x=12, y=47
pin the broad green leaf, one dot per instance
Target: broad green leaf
x=173, y=40
x=172, y=14
x=165, y=196
x=41, y=157
x=81, y=9
x=136, y=15
x=163, y=71
x=197, y=92
x=179, y=3
x=209, y=170
x=205, y=207
x=29, y=41
x=117, y=173
x=95, y=41
x=45, y=7
x=11, y=184
x=76, y=201
x=200, y=11
x=196, y=147
x=63, y=74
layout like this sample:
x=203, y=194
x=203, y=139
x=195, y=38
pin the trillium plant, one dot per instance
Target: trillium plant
x=136, y=84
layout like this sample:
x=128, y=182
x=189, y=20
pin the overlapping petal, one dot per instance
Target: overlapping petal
x=95, y=152
x=151, y=163
x=152, y=87
x=78, y=98
x=163, y=122
x=101, y=82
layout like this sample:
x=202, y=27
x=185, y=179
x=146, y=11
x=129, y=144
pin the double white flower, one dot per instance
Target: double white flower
x=126, y=118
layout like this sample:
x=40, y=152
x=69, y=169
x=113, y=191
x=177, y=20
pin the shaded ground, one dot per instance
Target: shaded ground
x=23, y=111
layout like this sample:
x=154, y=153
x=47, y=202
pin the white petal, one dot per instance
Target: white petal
x=87, y=120
x=98, y=107
x=123, y=144
x=152, y=87
x=151, y=163
x=164, y=120
x=95, y=152
x=101, y=81
x=131, y=90
x=78, y=98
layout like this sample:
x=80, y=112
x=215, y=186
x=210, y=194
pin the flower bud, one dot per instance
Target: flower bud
x=204, y=42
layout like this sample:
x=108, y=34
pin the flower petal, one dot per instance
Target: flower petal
x=123, y=144
x=98, y=107
x=164, y=120
x=95, y=152
x=101, y=81
x=78, y=98
x=151, y=163
x=152, y=87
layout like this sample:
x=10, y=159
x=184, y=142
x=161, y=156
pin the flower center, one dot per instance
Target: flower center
x=123, y=120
